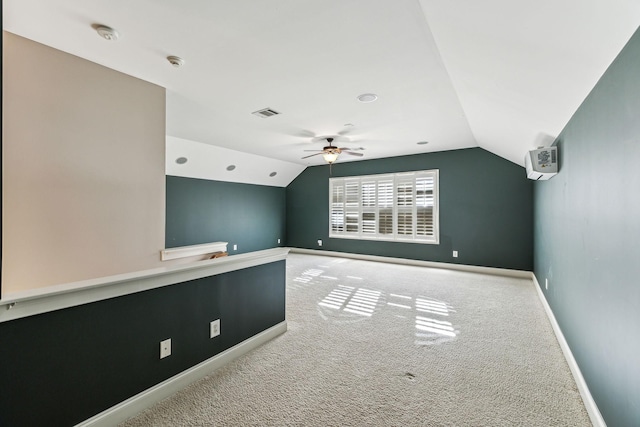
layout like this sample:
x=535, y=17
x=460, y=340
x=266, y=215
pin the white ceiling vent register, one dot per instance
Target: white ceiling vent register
x=266, y=112
x=542, y=164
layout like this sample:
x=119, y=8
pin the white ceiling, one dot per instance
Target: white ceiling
x=500, y=74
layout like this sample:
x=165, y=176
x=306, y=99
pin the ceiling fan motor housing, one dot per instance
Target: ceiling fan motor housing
x=330, y=149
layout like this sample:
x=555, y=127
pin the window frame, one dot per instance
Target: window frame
x=411, y=197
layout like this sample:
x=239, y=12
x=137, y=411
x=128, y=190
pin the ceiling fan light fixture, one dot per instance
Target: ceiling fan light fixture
x=330, y=157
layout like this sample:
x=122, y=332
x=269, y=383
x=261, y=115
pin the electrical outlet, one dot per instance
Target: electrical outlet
x=455, y=254
x=319, y=242
x=165, y=348
x=278, y=241
x=214, y=328
x=235, y=247
x=546, y=283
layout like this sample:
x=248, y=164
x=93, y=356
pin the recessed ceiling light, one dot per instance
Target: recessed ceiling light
x=231, y=167
x=367, y=97
x=181, y=160
x=107, y=33
x=272, y=174
x=422, y=142
x=176, y=61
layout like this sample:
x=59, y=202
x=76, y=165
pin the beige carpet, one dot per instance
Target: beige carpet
x=372, y=344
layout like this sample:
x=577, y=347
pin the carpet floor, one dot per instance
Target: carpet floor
x=376, y=344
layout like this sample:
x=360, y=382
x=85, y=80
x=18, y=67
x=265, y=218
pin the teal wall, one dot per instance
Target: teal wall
x=587, y=232
x=62, y=367
x=486, y=210
x=203, y=211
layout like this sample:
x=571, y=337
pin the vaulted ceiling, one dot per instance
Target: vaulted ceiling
x=500, y=74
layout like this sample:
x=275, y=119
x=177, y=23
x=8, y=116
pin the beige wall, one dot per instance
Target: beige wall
x=83, y=169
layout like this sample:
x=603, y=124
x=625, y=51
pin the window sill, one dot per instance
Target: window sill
x=383, y=239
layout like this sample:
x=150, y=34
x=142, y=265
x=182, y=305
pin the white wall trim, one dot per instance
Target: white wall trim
x=521, y=274
x=43, y=300
x=193, y=250
x=587, y=398
x=145, y=399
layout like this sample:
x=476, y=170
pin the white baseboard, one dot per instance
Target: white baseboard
x=145, y=399
x=587, y=398
x=521, y=274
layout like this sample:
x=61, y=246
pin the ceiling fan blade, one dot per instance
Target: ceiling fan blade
x=352, y=149
x=303, y=133
x=314, y=150
x=351, y=153
x=311, y=155
x=299, y=133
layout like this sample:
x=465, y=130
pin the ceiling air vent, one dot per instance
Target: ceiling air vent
x=265, y=112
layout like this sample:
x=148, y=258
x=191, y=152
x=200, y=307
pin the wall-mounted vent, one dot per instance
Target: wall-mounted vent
x=266, y=112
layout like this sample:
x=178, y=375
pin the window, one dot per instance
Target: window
x=394, y=207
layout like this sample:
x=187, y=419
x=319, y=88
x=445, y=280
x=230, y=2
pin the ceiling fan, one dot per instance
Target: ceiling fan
x=331, y=152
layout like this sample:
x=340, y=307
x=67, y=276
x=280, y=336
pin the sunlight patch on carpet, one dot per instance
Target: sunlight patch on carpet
x=306, y=278
x=364, y=303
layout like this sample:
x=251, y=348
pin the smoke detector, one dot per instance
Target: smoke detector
x=107, y=33
x=176, y=61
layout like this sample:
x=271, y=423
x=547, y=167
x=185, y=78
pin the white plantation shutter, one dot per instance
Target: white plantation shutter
x=336, y=206
x=405, y=206
x=425, y=202
x=369, y=207
x=385, y=207
x=352, y=205
x=399, y=207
